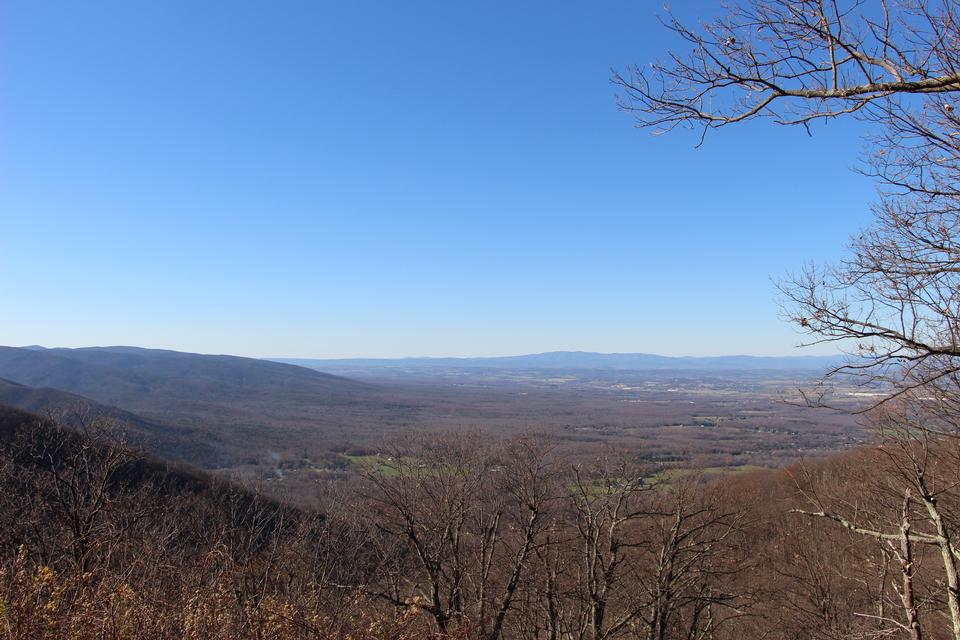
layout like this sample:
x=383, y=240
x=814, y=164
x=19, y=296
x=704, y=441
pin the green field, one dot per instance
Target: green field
x=379, y=464
x=668, y=475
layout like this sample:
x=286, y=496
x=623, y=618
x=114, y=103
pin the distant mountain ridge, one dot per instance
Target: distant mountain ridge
x=560, y=360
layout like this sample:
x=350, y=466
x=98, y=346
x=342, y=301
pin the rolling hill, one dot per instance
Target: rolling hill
x=167, y=441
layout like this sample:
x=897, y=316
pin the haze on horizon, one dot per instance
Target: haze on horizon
x=419, y=357
x=370, y=181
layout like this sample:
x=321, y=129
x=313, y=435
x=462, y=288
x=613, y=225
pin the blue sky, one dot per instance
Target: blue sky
x=335, y=179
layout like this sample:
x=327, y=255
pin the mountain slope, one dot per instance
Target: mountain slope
x=167, y=441
x=117, y=375
x=251, y=407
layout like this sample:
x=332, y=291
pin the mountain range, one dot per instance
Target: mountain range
x=570, y=360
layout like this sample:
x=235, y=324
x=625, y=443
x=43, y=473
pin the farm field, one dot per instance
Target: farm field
x=719, y=422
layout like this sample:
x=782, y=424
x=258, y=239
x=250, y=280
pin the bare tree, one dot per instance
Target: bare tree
x=893, y=304
x=71, y=479
x=609, y=501
x=693, y=557
x=656, y=560
x=920, y=468
x=457, y=528
x=796, y=62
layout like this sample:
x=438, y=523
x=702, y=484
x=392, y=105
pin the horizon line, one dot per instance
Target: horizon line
x=446, y=357
x=561, y=351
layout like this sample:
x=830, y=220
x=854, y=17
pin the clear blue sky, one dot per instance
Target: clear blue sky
x=334, y=179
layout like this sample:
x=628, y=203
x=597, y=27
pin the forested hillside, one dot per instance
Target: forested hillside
x=470, y=538
x=168, y=441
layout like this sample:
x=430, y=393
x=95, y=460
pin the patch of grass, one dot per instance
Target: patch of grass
x=384, y=465
x=667, y=476
x=390, y=466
